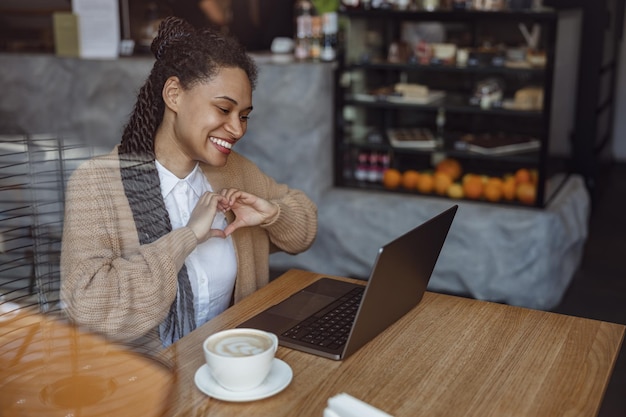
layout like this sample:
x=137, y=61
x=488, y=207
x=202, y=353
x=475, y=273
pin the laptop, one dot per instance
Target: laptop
x=308, y=320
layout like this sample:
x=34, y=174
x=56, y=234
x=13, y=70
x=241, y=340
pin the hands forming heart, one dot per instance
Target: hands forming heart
x=249, y=210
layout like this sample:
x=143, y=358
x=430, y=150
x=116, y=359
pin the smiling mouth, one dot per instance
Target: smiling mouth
x=221, y=142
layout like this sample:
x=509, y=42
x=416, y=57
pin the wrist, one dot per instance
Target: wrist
x=273, y=216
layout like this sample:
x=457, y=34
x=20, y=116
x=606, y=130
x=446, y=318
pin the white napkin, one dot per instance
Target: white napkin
x=345, y=405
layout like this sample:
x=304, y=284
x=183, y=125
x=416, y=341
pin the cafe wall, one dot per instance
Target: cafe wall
x=26, y=26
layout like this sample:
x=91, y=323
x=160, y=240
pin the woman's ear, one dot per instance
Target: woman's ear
x=171, y=93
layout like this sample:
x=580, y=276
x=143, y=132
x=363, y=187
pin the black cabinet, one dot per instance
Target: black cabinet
x=601, y=33
x=415, y=88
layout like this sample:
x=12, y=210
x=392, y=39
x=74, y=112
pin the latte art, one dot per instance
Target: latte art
x=240, y=345
x=240, y=359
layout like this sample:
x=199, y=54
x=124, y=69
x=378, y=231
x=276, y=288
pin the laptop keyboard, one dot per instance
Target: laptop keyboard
x=330, y=326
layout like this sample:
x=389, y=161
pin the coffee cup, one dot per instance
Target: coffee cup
x=240, y=359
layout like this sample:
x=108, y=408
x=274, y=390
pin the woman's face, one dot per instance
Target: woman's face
x=212, y=116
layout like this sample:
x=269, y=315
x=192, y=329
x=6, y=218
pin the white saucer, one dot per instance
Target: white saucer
x=279, y=377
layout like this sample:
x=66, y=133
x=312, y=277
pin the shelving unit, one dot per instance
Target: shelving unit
x=364, y=115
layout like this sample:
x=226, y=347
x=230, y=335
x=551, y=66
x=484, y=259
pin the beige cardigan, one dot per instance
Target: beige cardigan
x=113, y=285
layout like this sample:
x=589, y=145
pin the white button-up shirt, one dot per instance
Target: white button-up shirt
x=212, y=266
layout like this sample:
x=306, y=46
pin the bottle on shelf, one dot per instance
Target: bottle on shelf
x=374, y=171
x=315, y=49
x=385, y=163
x=304, y=10
x=370, y=167
x=330, y=28
x=361, y=172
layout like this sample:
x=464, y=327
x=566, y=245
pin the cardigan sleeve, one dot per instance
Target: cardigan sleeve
x=294, y=229
x=109, y=282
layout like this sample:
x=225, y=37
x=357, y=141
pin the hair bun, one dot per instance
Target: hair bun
x=171, y=30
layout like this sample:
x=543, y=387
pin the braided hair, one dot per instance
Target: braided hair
x=194, y=56
x=191, y=55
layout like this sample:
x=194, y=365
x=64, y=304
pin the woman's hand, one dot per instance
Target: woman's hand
x=249, y=209
x=203, y=214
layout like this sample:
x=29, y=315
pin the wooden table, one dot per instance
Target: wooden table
x=450, y=356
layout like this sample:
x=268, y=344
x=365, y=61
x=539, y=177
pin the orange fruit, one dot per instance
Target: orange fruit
x=473, y=186
x=495, y=181
x=425, y=183
x=392, y=178
x=409, y=179
x=455, y=190
x=534, y=176
x=493, y=191
x=522, y=175
x=441, y=182
x=526, y=193
x=509, y=188
x=469, y=176
x=450, y=166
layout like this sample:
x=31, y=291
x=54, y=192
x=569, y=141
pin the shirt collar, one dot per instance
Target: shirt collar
x=195, y=179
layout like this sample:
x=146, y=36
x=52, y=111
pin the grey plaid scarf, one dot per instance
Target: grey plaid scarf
x=143, y=190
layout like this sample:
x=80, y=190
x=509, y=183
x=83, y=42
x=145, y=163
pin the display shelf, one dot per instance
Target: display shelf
x=456, y=104
x=527, y=158
x=539, y=15
x=491, y=94
x=466, y=69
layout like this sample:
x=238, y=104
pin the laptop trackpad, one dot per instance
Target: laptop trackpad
x=301, y=305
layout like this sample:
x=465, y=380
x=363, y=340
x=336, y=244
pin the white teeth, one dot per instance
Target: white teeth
x=221, y=142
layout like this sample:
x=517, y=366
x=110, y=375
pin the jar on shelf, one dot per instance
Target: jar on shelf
x=430, y=5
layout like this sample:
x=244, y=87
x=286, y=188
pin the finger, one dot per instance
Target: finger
x=232, y=194
x=202, y=216
x=208, y=197
x=217, y=233
x=221, y=200
x=228, y=230
x=210, y=200
x=224, y=204
x=228, y=192
x=223, y=207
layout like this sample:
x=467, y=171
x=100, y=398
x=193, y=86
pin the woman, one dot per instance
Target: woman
x=174, y=226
